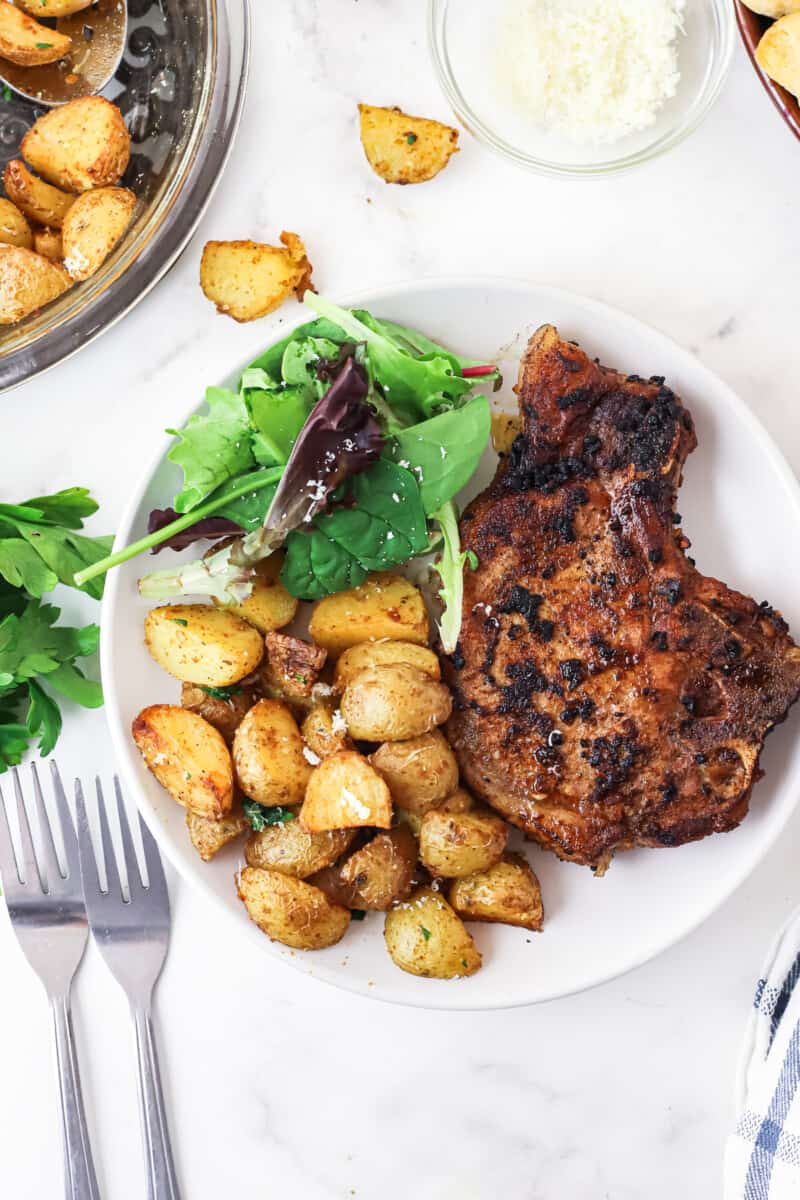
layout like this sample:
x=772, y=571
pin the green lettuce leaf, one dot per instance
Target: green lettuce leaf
x=213, y=447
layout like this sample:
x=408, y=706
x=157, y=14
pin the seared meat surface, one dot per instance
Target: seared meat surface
x=607, y=694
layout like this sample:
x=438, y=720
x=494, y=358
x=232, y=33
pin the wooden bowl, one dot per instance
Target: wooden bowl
x=751, y=27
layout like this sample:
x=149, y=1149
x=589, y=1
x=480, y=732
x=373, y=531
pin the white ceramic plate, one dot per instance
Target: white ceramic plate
x=741, y=508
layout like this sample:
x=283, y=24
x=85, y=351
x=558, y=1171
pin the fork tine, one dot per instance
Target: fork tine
x=156, y=879
x=48, y=861
x=9, y=871
x=135, y=885
x=68, y=836
x=113, y=882
x=85, y=845
x=29, y=863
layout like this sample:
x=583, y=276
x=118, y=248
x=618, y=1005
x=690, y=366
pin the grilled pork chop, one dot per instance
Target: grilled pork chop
x=607, y=694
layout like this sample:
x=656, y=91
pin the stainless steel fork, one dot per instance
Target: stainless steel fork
x=48, y=915
x=133, y=935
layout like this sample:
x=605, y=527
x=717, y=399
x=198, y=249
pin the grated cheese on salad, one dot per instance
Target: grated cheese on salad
x=592, y=72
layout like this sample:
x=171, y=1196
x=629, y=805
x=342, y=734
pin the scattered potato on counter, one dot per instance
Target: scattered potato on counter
x=424, y=936
x=268, y=756
x=292, y=666
x=325, y=731
x=81, y=145
x=453, y=845
x=188, y=757
x=378, y=654
x=39, y=201
x=47, y=242
x=345, y=792
x=247, y=280
x=393, y=703
x=14, y=229
x=27, y=282
x=201, y=644
x=383, y=606
x=382, y=872
x=404, y=149
x=773, y=8
x=54, y=8
x=507, y=893
x=209, y=836
x=290, y=911
x=269, y=606
x=93, y=226
x=459, y=801
x=26, y=42
x=293, y=850
x=420, y=772
x=778, y=53
x=224, y=708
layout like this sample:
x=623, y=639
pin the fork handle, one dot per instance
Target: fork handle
x=161, y=1181
x=80, y=1182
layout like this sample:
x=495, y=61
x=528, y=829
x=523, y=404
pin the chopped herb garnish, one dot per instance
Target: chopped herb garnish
x=464, y=964
x=179, y=620
x=6, y=92
x=221, y=693
x=187, y=775
x=44, y=45
x=411, y=138
x=261, y=817
x=426, y=933
x=299, y=678
x=357, y=914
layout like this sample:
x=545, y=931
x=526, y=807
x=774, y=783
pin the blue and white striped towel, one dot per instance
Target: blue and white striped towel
x=762, y=1157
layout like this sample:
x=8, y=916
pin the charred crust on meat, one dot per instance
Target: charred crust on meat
x=571, y=670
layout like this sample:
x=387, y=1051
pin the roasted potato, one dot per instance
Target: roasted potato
x=778, y=53
x=291, y=911
x=26, y=42
x=508, y=893
x=269, y=606
x=39, y=201
x=324, y=730
x=505, y=427
x=457, y=844
x=292, y=666
x=294, y=851
x=27, y=282
x=200, y=644
x=188, y=757
x=420, y=772
x=393, y=703
x=404, y=149
x=344, y=792
x=54, y=8
x=382, y=872
x=383, y=606
x=425, y=937
x=247, y=280
x=14, y=229
x=93, y=226
x=773, y=8
x=81, y=145
x=329, y=880
x=47, y=242
x=268, y=755
x=209, y=836
x=224, y=708
x=378, y=654
x=459, y=801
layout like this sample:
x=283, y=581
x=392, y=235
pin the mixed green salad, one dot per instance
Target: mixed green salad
x=346, y=443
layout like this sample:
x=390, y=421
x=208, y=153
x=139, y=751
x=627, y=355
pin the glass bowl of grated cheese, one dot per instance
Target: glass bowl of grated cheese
x=581, y=87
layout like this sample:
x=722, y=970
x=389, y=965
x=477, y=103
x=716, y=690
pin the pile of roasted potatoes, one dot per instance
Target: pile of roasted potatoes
x=328, y=754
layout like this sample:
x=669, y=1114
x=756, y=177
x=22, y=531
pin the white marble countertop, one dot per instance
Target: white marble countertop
x=278, y=1084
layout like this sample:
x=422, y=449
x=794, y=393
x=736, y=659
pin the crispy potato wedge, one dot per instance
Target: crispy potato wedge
x=269, y=606
x=345, y=792
x=378, y=654
x=773, y=8
x=420, y=772
x=93, y=226
x=294, y=851
x=457, y=844
x=383, y=606
x=292, y=666
x=404, y=149
x=54, y=8
x=27, y=282
x=81, y=145
x=200, y=644
x=393, y=703
x=291, y=911
x=268, y=755
x=209, y=836
x=507, y=893
x=246, y=280
x=382, y=872
x=39, y=201
x=26, y=42
x=459, y=801
x=778, y=52
x=324, y=730
x=224, y=708
x=188, y=757
x=424, y=936
x=14, y=229
x=47, y=242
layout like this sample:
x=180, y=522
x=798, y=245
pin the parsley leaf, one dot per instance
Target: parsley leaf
x=426, y=933
x=221, y=693
x=46, y=529
x=260, y=816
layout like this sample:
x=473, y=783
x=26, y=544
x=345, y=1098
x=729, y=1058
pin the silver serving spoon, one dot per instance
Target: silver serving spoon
x=98, y=33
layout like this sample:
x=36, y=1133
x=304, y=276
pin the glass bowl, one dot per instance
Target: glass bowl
x=463, y=40
x=180, y=86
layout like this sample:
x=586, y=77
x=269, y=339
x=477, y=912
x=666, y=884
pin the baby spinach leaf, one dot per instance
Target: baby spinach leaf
x=213, y=447
x=315, y=566
x=270, y=361
x=444, y=451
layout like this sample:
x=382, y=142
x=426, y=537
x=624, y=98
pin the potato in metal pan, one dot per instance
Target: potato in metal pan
x=82, y=145
x=39, y=201
x=28, y=281
x=92, y=227
x=26, y=42
x=14, y=229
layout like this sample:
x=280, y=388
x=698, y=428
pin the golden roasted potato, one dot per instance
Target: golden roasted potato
x=329, y=880
x=54, y=8
x=188, y=757
x=420, y=772
x=93, y=226
x=382, y=872
x=345, y=792
x=377, y=654
x=27, y=282
x=457, y=844
x=294, y=851
x=324, y=730
x=200, y=644
x=505, y=427
x=209, y=836
x=459, y=801
x=425, y=937
x=47, y=242
x=393, y=703
x=14, y=229
x=268, y=755
x=26, y=42
x=39, y=201
x=269, y=606
x=508, y=893
x=247, y=280
x=224, y=708
x=81, y=145
x=404, y=149
x=383, y=606
x=773, y=8
x=292, y=666
x=291, y=911
x=778, y=53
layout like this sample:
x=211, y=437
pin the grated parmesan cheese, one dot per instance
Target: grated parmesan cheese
x=592, y=72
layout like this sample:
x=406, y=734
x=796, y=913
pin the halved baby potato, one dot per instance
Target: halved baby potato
x=28, y=281
x=424, y=936
x=224, y=708
x=14, y=229
x=405, y=149
x=290, y=911
x=269, y=606
x=378, y=654
x=453, y=845
x=290, y=848
x=200, y=644
x=188, y=757
x=324, y=730
x=268, y=755
x=247, y=280
x=26, y=42
x=93, y=226
x=345, y=792
x=507, y=893
x=81, y=145
x=393, y=703
x=778, y=53
x=421, y=772
x=383, y=606
x=209, y=835
x=54, y=8
x=773, y=8
x=457, y=802
x=382, y=872
x=47, y=242
x=39, y=201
